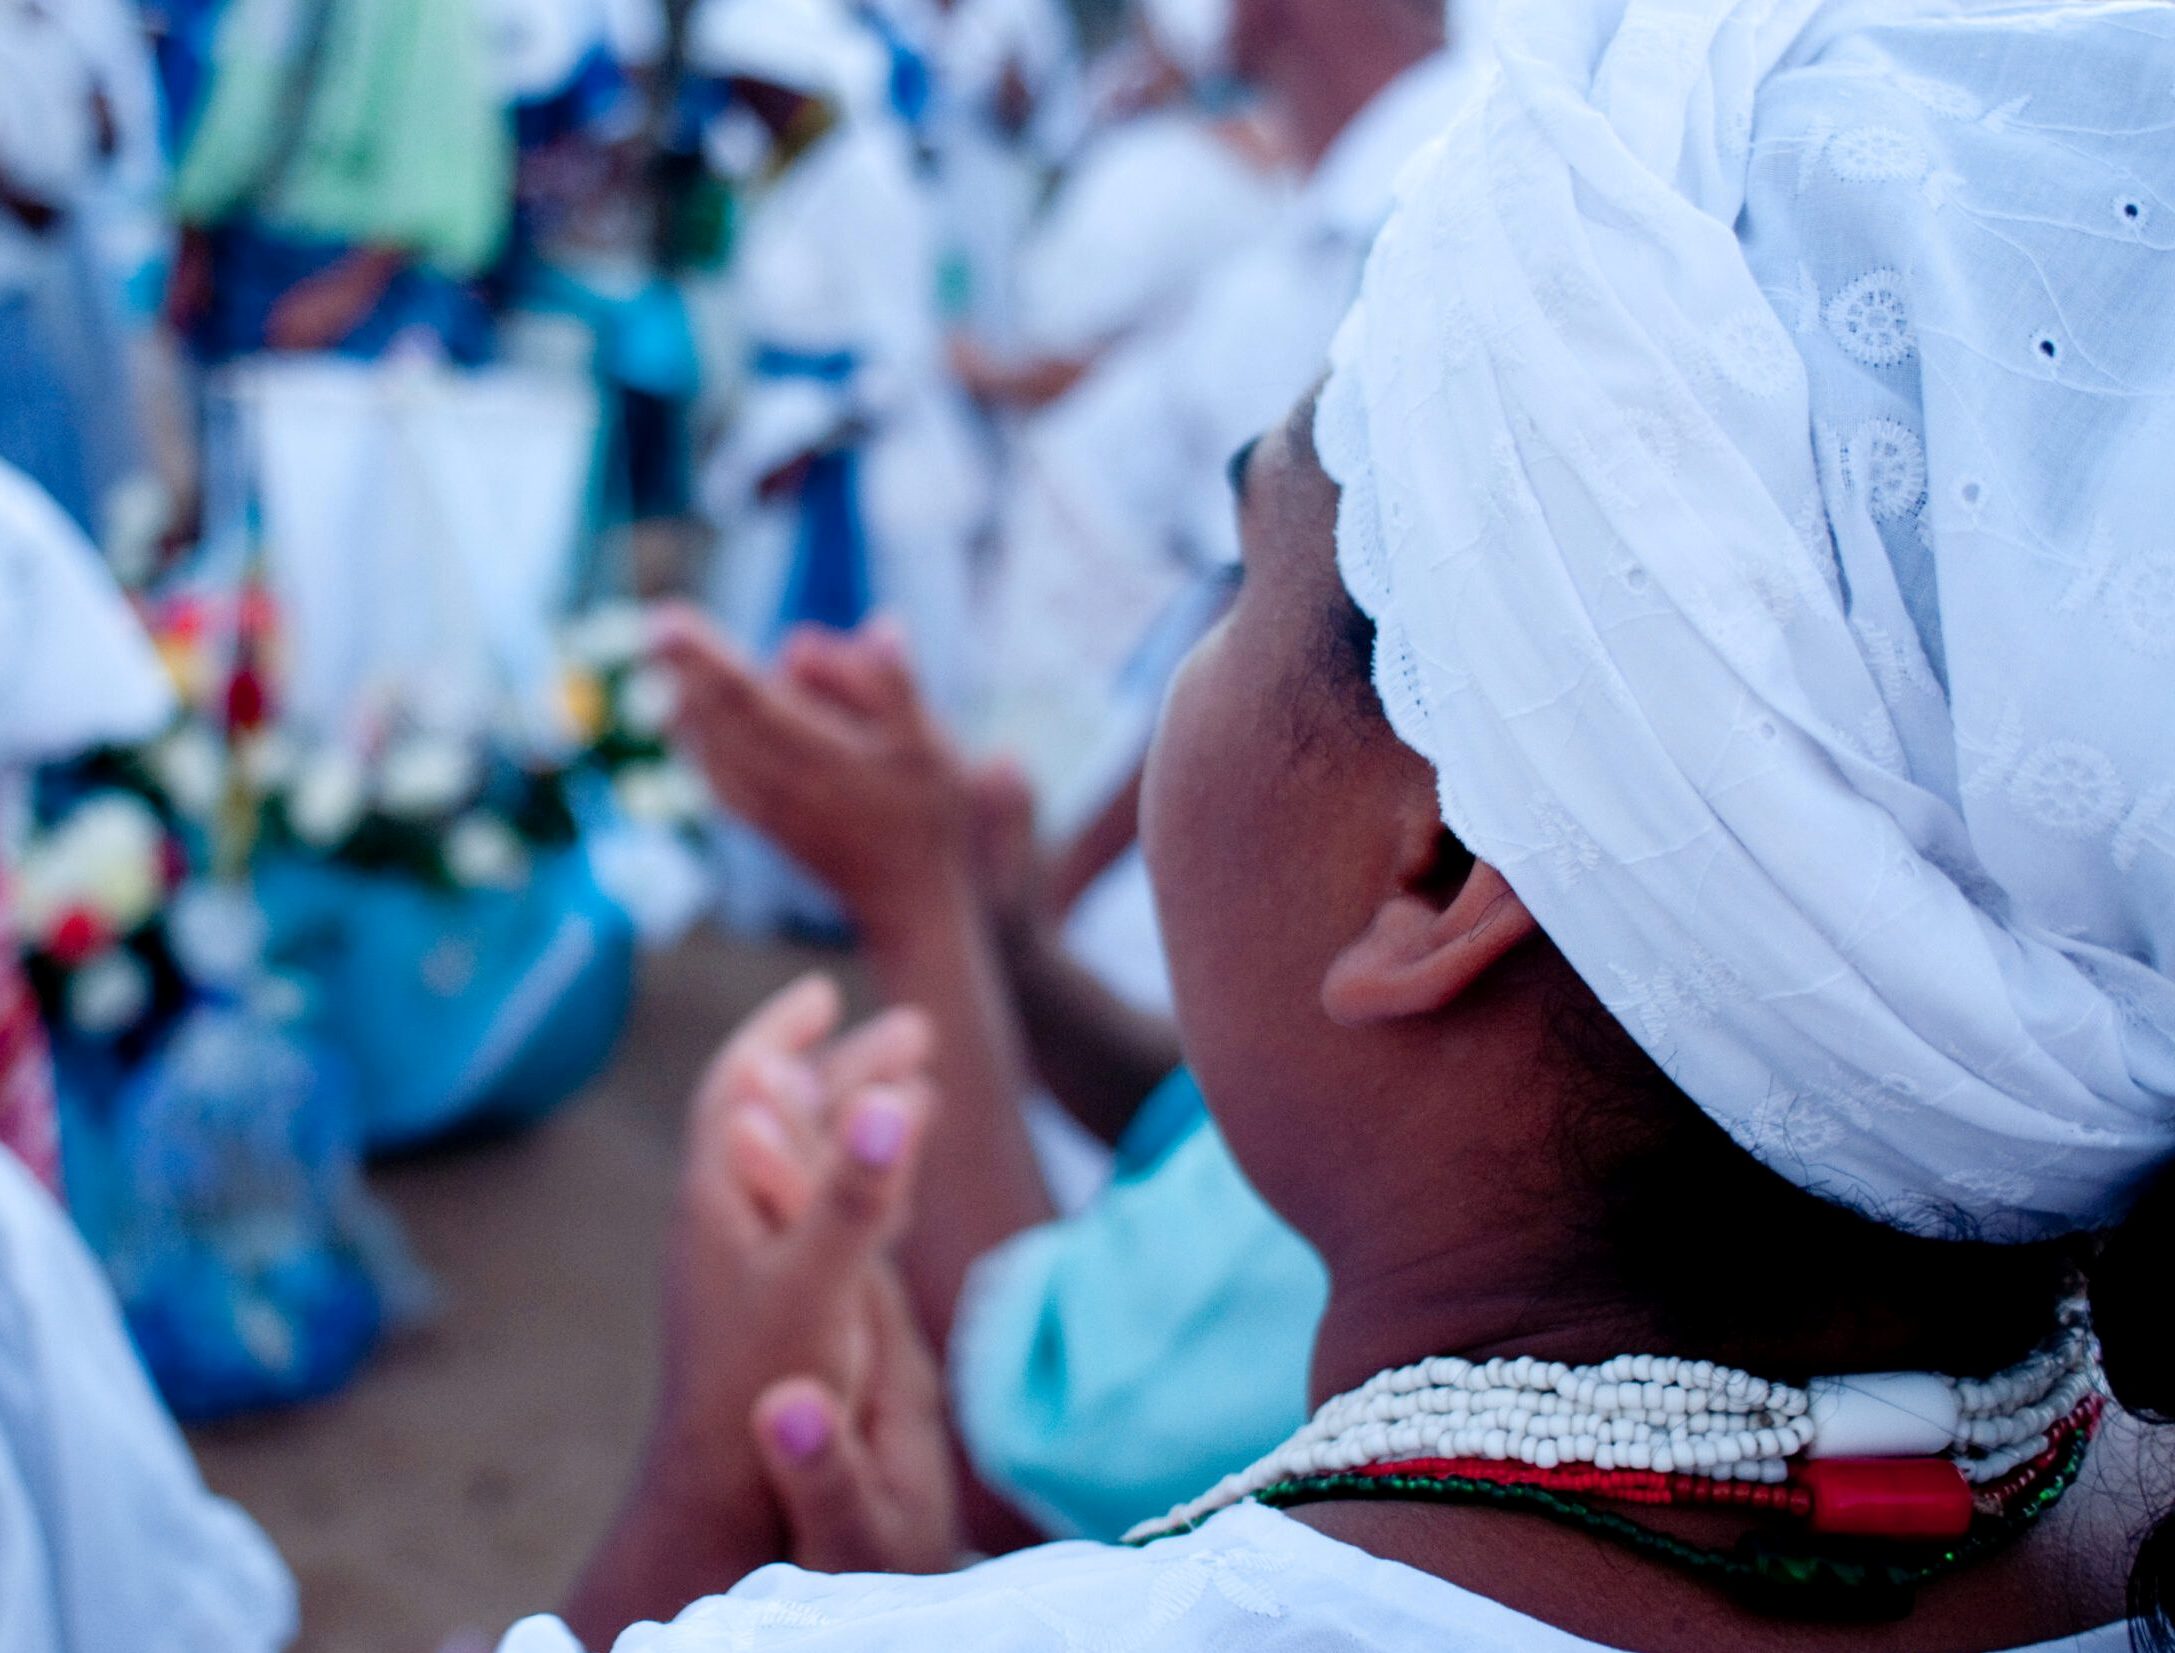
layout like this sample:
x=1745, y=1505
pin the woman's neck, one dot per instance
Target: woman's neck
x=1376, y=1321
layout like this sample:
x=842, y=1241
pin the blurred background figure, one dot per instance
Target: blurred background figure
x=1170, y=176
x=58, y=129
x=343, y=182
x=1001, y=114
x=848, y=476
x=1117, y=526
x=581, y=286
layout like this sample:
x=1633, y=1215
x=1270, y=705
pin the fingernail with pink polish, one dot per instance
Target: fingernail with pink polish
x=876, y=1135
x=801, y=1429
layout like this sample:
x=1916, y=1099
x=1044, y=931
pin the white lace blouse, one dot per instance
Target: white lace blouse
x=1251, y=1580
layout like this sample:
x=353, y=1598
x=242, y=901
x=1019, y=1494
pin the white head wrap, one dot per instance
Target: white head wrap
x=537, y=45
x=811, y=46
x=1757, y=454
x=1194, y=34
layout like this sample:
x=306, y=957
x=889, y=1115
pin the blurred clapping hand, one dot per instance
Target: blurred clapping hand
x=834, y=755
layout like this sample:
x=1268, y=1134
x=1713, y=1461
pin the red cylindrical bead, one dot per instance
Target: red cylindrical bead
x=1925, y=1498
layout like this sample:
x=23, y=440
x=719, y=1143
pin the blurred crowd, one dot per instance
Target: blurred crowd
x=363, y=365
x=953, y=309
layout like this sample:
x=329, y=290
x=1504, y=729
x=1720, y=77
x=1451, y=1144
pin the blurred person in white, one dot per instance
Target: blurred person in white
x=104, y=291
x=1115, y=529
x=848, y=475
x=1003, y=112
x=56, y=131
x=109, y=1542
x=1667, y=869
x=345, y=182
x=1166, y=183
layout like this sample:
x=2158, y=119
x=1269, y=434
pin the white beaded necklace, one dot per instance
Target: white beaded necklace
x=1660, y=1413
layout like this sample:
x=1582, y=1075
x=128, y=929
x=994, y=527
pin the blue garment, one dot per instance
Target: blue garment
x=910, y=85
x=40, y=424
x=1117, y=1363
x=460, y=1012
x=830, y=584
x=596, y=94
x=253, y=268
x=182, y=32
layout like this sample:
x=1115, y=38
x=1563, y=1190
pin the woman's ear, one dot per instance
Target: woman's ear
x=1420, y=954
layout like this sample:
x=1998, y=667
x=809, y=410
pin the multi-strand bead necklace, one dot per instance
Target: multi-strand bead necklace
x=1941, y=1468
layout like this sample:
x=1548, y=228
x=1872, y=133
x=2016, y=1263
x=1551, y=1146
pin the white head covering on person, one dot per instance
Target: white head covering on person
x=1193, y=34
x=1754, y=437
x=811, y=46
x=537, y=46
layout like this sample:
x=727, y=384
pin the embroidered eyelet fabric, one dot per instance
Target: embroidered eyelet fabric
x=1249, y=1581
x=1755, y=440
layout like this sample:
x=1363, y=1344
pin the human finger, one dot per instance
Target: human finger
x=862, y=1194
x=822, y=1478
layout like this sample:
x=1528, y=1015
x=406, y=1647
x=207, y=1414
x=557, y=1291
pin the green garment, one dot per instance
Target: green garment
x=402, y=140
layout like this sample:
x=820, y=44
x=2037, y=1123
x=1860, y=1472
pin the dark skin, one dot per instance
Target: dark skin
x=1356, y=953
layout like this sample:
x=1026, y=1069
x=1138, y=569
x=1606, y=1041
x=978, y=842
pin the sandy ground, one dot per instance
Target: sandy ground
x=460, y=1481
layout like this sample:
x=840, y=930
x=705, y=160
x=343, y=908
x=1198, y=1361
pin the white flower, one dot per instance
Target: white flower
x=111, y=855
x=648, y=701
x=615, y=635
x=189, y=765
x=426, y=776
x=659, y=794
x=108, y=994
x=269, y=761
x=483, y=853
x=328, y=800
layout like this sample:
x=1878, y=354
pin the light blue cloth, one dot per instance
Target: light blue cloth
x=1110, y=1366
x=475, y=1010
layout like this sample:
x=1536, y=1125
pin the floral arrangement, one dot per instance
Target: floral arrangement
x=621, y=707
x=93, y=894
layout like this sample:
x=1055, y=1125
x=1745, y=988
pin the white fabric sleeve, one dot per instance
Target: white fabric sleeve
x=76, y=669
x=106, y=1529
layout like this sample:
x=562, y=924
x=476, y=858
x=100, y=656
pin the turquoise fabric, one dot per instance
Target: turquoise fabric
x=1114, y=1364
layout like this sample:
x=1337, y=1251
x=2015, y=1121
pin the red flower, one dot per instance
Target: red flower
x=80, y=935
x=248, y=705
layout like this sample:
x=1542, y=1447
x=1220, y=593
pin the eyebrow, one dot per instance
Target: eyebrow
x=1241, y=464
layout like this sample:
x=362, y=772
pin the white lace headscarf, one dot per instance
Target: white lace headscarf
x=1757, y=456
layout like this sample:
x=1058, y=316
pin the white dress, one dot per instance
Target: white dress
x=109, y=1542
x=1249, y=1580
x=836, y=263
x=988, y=180
x=1148, y=207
